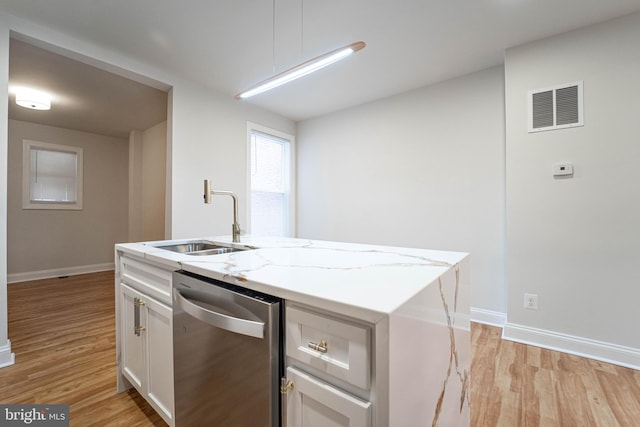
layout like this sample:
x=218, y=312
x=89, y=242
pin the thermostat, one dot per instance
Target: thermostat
x=562, y=169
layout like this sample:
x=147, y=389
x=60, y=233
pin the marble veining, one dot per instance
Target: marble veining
x=376, y=280
x=325, y=258
x=430, y=334
x=462, y=373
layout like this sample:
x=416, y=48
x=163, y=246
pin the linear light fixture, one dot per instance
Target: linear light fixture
x=301, y=70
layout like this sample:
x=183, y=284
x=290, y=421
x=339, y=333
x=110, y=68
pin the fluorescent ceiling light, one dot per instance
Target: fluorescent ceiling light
x=301, y=70
x=33, y=99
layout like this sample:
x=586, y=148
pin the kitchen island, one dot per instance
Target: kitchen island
x=409, y=307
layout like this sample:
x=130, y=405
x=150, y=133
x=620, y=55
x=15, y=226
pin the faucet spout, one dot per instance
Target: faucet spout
x=208, y=192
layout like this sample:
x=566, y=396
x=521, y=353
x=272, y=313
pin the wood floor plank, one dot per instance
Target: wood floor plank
x=63, y=334
x=529, y=386
x=620, y=393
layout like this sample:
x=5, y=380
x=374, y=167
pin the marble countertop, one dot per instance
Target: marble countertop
x=366, y=281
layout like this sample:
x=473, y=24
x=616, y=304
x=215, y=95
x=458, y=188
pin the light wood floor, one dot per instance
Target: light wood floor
x=63, y=334
x=518, y=385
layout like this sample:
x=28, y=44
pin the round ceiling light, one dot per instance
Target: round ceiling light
x=33, y=99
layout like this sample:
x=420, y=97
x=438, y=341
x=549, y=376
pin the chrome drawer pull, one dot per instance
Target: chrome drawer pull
x=322, y=347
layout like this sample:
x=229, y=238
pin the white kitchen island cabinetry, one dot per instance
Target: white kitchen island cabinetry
x=145, y=331
x=325, y=355
x=375, y=336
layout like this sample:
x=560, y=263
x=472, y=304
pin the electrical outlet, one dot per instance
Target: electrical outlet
x=531, y=301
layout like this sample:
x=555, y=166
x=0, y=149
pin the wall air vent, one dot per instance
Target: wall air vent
x=555, y=107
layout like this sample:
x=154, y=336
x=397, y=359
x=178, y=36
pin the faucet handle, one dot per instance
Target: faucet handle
x=207, y=191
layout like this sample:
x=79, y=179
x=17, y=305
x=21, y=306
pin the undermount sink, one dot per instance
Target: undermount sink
x=199, y=247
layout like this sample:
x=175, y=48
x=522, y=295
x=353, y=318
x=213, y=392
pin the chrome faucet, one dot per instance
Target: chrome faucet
x=208, y=192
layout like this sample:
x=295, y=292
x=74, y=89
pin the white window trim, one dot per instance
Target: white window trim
x=27, y=146
x=292, y=168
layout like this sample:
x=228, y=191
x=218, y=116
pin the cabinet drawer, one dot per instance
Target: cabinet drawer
x=335, y=346
x=153, y=281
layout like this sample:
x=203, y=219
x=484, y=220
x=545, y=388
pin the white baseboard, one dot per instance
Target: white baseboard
x=7, y=358
x=592, y=349
x=488, y=317
x=58, y=272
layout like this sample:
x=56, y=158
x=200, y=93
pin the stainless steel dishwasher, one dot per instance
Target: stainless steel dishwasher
x=227, y=354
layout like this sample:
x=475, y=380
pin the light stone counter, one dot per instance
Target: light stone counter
x=417, y=298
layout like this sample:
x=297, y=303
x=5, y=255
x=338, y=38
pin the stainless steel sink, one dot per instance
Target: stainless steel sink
x=199, y=247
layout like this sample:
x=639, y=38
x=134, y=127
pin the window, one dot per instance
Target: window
x=51, y=176
x=270, y=182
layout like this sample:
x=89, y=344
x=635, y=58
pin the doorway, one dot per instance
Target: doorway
x=121, y=126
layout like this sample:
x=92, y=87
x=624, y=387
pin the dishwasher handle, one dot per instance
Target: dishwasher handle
x=228, y=323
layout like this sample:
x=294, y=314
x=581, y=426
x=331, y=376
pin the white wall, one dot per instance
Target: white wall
x=135, y=186
x=45, y=243
x=6, y=355
x=574, y=242
x=147, y=183
x=154, y=171
x=422, y=169
x=206, y=137
x=209, y=134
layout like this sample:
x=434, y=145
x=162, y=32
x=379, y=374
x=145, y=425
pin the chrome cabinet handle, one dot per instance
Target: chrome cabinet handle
x=322, y=347
x=137, y=303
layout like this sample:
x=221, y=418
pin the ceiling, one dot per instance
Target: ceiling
x=228, y=45
x=84, y=98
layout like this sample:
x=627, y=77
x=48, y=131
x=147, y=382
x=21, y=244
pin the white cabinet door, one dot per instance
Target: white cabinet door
x=147, y=348
x=159, y=332
x=315, y=403
x=133, y=342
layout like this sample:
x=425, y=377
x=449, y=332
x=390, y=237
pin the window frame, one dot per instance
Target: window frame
x=290, y=227
x=27, y=147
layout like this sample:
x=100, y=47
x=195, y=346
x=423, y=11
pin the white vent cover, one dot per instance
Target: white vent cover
x=556, y=107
